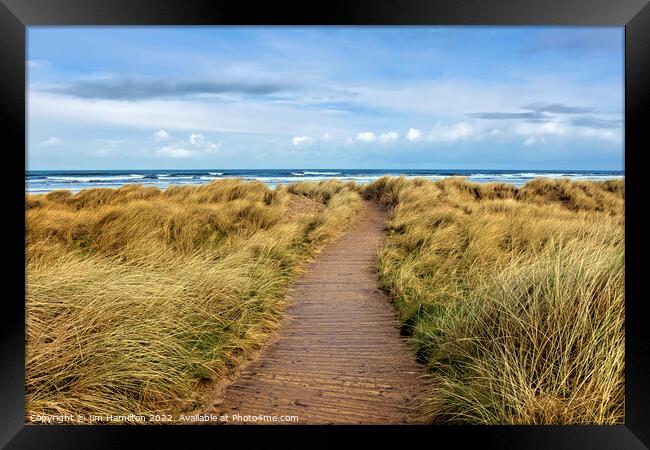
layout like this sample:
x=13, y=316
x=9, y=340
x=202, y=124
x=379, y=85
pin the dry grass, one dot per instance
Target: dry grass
x=514, y=297
x=136, y=294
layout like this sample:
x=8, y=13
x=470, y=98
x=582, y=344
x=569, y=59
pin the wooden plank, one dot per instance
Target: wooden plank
x=339, y=357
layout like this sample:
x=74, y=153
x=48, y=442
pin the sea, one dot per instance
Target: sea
x=42, y=181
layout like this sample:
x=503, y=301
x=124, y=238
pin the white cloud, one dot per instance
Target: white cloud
x=413, y=134
x=300, y=140
x=382, y=138
x=554, y=128
x=52, y=141
x=197, y=139
x=198, y=145
x=201, y=143
x=161, y=135
x=388, y=137
x=534, y=140
x=366, y=136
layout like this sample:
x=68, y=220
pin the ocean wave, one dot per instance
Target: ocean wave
x=314, y=173
x=93, y=179
x=480, y=176
x=306, y=172
x=164, y=176
x=597, y=177
x=526, y=175
x=543, y=175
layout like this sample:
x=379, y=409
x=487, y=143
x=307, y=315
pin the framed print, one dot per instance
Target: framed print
x=407, y=219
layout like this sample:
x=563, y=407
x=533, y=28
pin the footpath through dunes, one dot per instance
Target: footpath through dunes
x=339, y=357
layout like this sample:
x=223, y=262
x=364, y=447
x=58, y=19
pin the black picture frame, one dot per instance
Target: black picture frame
x=634, y=15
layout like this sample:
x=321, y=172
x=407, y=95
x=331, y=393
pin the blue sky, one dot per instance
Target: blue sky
x=325, y=97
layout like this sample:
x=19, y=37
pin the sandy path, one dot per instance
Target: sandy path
x=339, y=357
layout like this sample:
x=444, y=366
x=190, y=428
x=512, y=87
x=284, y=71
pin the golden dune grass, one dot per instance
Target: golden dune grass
x=135, y=294
x=514, y=297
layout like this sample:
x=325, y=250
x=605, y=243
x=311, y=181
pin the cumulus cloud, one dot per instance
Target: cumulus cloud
x=197, y=139
x=297, y=141
x=322, y=139
x=366, y=136
x=196, y=145
x=382, y=138
x=387, y=137
x=161, y=135
x=126, y=88
x=413, y=134
x=52, y=141
x=199, y=142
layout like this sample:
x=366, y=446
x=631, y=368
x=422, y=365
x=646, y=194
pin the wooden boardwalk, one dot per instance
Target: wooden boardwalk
x=339, y=357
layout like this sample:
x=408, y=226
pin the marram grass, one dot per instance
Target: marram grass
x=136, y=294
x=514, y=297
